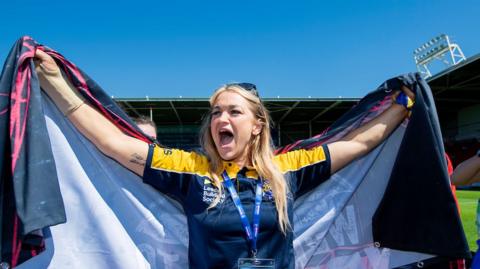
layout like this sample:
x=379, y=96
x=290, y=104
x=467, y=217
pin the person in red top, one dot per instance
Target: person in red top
x=452, y=186
x=460, y=263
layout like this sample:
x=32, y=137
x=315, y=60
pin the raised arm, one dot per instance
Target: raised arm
x=129, y=151
x=365, y=138
x=467, y=172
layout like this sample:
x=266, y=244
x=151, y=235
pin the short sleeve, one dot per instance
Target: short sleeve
x=306, y=169
x=172, y=170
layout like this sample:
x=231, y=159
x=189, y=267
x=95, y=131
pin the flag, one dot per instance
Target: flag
x=66, y=205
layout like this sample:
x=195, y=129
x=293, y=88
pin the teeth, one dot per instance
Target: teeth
x=225, y=132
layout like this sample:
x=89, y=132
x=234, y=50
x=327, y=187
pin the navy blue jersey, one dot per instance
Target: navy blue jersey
x=216, y=236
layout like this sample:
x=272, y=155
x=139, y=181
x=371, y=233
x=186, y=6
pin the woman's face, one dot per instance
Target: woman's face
x=232, y=126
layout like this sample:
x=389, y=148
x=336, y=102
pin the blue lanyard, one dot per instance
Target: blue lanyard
x=251, y=236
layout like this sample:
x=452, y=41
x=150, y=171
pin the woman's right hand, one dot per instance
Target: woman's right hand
x=60, y=90
x=45, y=62
x=129, y=151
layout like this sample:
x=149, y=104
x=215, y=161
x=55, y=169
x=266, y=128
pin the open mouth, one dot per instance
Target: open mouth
x=226, y=137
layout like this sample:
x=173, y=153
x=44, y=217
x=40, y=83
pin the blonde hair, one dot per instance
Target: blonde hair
x=260, y=155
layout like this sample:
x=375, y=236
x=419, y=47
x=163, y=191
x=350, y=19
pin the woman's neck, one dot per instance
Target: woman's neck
x=243, y=160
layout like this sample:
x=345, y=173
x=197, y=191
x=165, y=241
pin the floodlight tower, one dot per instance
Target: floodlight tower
x=437, y=49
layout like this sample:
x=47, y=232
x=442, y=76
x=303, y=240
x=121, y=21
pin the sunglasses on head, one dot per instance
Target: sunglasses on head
x=250, y=87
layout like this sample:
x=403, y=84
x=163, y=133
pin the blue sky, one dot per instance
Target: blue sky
x=287, y=48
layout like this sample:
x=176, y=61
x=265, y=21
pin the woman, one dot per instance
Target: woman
x=239, y=173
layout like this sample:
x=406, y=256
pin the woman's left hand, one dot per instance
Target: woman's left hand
x=408, y=92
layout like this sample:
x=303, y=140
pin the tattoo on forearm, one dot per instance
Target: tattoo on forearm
x=137, y=159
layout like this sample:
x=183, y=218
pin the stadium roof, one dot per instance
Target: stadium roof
x=188, y=111
x=457, y=87
x=453, y=89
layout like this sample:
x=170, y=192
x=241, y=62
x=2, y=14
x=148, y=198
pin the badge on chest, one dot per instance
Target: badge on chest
x=246, y=263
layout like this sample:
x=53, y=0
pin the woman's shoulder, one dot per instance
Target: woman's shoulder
x=297, y=159
x=180, y=160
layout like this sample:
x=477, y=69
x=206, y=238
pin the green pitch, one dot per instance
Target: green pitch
x=468, y=206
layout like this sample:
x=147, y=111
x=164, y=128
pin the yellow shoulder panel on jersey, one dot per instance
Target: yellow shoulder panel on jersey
x=175, y=160
x=297, y=159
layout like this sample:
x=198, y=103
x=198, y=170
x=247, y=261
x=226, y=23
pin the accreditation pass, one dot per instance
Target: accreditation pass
x=247, y=263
